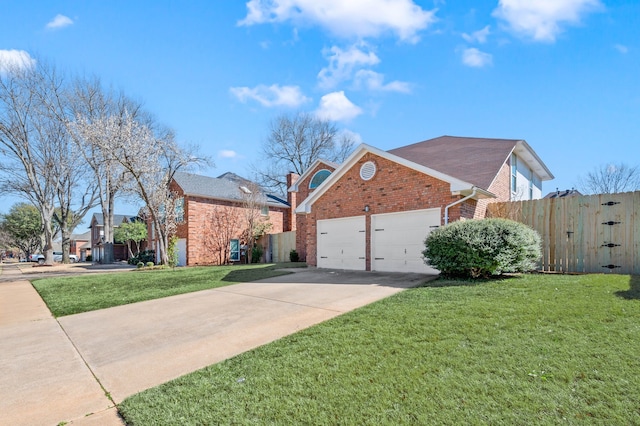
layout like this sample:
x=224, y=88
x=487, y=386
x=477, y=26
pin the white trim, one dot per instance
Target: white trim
x=295, y=187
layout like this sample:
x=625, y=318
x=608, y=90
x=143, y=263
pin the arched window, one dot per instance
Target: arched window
x=318, y=178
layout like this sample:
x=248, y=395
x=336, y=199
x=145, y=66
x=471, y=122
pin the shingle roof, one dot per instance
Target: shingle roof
x=474, y=160
x=225, y=187
x=117, y=219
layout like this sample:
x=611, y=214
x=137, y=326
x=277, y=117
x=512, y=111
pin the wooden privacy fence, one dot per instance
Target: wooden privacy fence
x=594, y=233
x=278, y=246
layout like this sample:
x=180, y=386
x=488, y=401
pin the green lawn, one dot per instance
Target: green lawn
x=83, y=293
x=537, y=349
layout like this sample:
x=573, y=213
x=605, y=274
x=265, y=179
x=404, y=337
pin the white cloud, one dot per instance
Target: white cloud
x=542, y=20
x=479, y=36
x=621, y=48
x=336, y=106
x=345, y=18
x=271, y=96
x=60, y=21
x=374, y=81
x=342, y=63
x=227, y=153
x=346, y=134
x=15, y=60
x=473, y=57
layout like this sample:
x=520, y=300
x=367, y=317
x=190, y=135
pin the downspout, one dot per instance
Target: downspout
x=446, y=209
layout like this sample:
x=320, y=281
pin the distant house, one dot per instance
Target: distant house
x=80, y=245
x=97, y=237
x=213, y=206
x=563, y=194
x=374, y=211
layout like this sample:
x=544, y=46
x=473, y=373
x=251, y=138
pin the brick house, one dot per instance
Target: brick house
x=214, y=209
x=374, y=211
x=120, y=251
x=80, y=245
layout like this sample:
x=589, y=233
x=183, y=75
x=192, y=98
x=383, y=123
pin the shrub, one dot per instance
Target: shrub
x=172, y=251
x=293, y=256
x=140, y=265
x=89, y=258
x=150, y=264
x=480, y=248
x=256, y=253
x=144, y=257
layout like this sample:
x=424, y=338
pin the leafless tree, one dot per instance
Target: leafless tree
x=611, y=178
x=294, y=143
x=255, y=222
x=221, y=226
x=30, y=139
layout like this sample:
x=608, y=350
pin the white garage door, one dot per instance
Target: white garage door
x=342, y=243
x=397, y=240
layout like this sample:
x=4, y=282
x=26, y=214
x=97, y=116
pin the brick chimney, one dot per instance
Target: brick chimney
x=292, y=199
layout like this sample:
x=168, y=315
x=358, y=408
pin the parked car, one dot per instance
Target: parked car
x=57, y=257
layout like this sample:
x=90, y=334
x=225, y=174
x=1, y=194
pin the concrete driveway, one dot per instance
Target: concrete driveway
x=134, y=347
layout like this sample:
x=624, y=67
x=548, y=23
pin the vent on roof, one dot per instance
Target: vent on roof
x=245, y=190
x=368, y=170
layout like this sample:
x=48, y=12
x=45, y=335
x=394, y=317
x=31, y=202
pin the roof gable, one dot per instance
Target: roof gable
x=311, y=171
x=474, y=160
x=457, y=185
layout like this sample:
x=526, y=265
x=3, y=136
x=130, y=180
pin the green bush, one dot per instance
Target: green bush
x=144, y=257
x=140, y=265
x=150, y=264
x=480, y=248
x=293, y=256
x=256, y=253
x=89, y=258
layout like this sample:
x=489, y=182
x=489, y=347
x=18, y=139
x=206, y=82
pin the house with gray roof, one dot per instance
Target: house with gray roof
x=214, y=216
x=96, y=226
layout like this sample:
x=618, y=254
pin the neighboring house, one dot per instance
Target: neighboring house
x=97, y=237
x=213, y=209
x=374, y=211
x=80, y=245
x=563, y=194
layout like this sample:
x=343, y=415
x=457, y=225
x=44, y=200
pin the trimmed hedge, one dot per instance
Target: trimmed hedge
x=481, y=248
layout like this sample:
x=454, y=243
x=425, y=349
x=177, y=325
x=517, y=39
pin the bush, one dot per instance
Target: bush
x=144, y=257
x=89, y=258
x=480, y=248
x=150, y=264
x=256, y=253
x=293, y=256
x=140, y=265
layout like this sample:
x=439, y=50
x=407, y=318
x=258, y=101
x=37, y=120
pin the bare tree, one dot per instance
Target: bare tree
x=221, y=226
x=294, y=143
x=29, y=139
x=256, y=223
x=611, y=178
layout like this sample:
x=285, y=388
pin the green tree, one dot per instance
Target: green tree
x=23, y=227
x=134, y=231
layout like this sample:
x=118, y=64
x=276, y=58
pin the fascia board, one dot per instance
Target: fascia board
x=533, y=157
x=295, y=187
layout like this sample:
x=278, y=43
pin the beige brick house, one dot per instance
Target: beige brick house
x=214, y=211
x=374, y=211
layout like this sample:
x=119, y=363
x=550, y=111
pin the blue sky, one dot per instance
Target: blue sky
x=561, y=74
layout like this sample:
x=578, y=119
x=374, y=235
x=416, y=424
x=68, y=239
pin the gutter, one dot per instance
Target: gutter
x=446, y=209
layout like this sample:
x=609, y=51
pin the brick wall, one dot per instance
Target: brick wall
x=301, y=219
x=394, y=188
x=501, y=187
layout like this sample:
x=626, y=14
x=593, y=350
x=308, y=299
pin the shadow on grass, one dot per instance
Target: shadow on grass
x=253, y=274
x=634, y=289
x=465, y=282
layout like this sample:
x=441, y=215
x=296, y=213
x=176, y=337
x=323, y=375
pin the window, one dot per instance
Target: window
x=234, y=252
x=264, y=211
x=318, y=178
x=531, y=185
x=514, y=173
x=180, y=210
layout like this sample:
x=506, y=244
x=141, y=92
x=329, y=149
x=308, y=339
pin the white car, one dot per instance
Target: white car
x=57, y=257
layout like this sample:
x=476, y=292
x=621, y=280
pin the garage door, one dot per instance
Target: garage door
x=397, y=240
x=342, y=243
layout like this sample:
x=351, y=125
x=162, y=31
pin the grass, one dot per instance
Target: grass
x=72, y=295
x=537, y=349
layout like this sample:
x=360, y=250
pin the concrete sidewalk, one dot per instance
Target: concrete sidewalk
x=134, y=347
